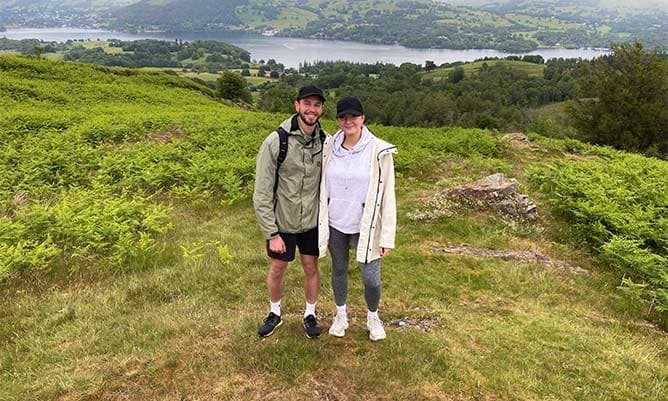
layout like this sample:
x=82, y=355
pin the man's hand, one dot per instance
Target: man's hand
x=384, y=251
x=276, y=245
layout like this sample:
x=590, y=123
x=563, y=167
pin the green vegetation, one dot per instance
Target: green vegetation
x=531, y=69
x=232, y=86
x=620, y=100
x=511, y=26
x=137, y=269
x=87, y=156
x=199, y=56
x=490, y=93
x=191, y=15
x=616, y=202
x=629, y=109
x=202, y=60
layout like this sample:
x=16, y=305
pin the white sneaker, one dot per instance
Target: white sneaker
x=339, y=326
x=376, y=330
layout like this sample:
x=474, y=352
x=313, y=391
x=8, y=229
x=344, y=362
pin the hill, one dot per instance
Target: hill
x=514, y=26
x=53, y=13
x=605, y=4
x=191, y=15
x=132, y=266
x=530, y=69
x=50, y=5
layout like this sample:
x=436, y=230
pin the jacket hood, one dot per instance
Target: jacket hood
x=383, y=148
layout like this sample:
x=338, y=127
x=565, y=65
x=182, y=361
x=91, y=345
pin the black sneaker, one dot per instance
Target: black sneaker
x=311, y=326
x=270, y=324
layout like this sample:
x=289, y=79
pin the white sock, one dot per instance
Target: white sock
x=370, y=315
x=341, y=310
x=275, y=307
x=310, y=309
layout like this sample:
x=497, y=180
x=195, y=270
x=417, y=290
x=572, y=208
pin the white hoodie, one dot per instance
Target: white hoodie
x=348, y=175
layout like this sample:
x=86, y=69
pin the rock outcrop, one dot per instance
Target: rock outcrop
x=499, y=192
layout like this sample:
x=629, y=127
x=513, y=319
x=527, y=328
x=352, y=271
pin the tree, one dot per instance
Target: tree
x=456, y=75
x=233, y=86
x=278, y=99
x=38, y=50
x=629, y=104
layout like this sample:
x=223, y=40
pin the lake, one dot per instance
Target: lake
x=292, y=51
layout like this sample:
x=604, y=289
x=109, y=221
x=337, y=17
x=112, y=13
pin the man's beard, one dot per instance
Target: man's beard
x=301, y=117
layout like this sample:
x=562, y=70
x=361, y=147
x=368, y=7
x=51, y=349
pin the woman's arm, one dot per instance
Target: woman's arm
x=388, y=207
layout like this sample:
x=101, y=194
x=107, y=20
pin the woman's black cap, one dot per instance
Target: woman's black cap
x=307, y=91
x=349, y=105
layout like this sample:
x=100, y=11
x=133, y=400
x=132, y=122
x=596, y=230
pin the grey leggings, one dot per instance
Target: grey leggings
x=339, y=246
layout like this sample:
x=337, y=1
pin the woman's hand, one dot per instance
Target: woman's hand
x=384, y=251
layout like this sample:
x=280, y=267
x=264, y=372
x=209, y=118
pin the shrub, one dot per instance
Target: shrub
x=617, y=204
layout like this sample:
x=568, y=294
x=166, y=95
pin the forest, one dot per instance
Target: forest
x=199, y=55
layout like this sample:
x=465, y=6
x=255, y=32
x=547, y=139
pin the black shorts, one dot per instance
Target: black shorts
x=306, y=241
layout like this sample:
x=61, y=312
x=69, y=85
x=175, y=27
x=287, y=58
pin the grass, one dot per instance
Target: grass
x=104, y=44
x=187, y=327
x=544, y=23
x=531, y=69
x=292, y=17
x=206, y=76
x=183, y=326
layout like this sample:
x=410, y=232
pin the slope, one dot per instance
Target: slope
x=139, y=182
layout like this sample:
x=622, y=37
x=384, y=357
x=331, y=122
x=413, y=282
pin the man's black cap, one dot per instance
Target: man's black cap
x=307, y=91
x=349, y=105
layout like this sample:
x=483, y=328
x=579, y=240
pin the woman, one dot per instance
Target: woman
x=358, y=211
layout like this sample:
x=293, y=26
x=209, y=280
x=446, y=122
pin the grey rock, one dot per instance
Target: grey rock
x=499, y=192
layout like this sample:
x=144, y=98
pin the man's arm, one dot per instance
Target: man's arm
x=263, y=195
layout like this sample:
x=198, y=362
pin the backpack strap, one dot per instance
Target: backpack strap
x=282, y=152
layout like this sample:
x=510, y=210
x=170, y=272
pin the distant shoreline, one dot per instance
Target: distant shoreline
x=292, y=51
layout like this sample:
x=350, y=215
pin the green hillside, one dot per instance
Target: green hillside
x=64, y=4
x=181, y=15
x=530, y=69
x=606, y=4
x=131, y=265
x=510, y=26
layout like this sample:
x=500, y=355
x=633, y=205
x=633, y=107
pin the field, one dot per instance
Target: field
x=133, y=268
x=531, y=69
x=545, y=23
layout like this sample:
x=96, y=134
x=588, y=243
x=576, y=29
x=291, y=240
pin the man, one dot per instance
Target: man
x=286, y=204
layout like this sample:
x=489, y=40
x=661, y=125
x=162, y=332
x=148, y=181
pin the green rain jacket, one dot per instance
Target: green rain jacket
x=294, y=207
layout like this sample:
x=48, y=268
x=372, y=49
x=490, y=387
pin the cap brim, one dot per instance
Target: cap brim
x=319, y=96
x=355, y=113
